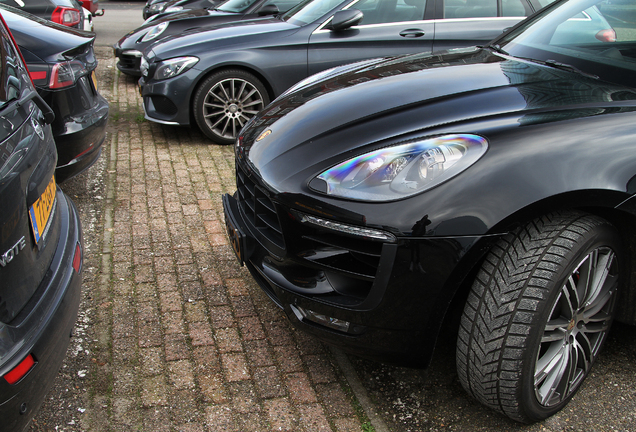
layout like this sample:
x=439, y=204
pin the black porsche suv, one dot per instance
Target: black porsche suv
x=40, y=247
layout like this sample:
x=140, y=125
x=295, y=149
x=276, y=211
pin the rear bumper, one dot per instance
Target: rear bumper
x=80, y=142
x=43, y=328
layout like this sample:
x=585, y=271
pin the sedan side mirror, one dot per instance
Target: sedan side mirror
x=270, y=9
x=344, y=19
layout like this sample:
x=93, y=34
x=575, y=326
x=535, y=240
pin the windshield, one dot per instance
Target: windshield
x=309, y=11
x=596, y=37
x=236, y=6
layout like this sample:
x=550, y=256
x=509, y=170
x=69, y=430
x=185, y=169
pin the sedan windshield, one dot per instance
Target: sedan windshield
x=593, y=37
x=309, y=11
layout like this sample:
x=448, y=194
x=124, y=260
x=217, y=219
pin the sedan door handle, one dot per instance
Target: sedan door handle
x=412, y=33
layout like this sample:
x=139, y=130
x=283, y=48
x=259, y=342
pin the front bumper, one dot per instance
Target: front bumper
x=168, y=101
x=42, y=328
x=129, y=59
x=384, y=301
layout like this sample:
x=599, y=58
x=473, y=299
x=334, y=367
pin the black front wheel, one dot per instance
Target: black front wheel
x=538, y=313
x=225, y=101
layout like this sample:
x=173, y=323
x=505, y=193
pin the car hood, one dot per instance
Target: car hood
x=408, y=97
x=202, y=40
x=189, y=21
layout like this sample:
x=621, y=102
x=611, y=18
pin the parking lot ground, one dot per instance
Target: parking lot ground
x=183, y=338
x=173, y=335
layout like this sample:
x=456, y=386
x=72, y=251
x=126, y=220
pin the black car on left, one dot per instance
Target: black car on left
x=63, y=71
x=41, y=250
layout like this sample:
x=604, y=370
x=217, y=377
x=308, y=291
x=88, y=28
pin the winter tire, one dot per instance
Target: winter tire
x=225, y=101
x=537, y=314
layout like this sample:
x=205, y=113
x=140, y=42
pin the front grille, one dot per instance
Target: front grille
x=259, y=210
x=128, y=61
x=163, y=105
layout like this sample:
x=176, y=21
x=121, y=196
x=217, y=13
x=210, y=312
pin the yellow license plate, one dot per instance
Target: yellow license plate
x=94, y=78
x=40, y=211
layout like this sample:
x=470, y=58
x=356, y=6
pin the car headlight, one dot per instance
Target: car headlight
x=173, y=67
x=156, y=8
x=403, y=170
x=143, y=67
x=173, y=9
x=154, y=32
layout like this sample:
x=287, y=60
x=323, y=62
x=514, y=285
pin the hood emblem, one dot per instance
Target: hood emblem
x=263, y=135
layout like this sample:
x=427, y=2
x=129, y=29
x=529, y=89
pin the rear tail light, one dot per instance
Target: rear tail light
x=66, y=73
x=38, y=75
x=18, y=372
x=66, y=16
x=77, y=258
x=607, y=35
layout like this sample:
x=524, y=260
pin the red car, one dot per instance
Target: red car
x=93, y=7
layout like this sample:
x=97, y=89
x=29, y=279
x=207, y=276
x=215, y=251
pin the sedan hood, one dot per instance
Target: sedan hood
x=204, y=39
x=178, y=23
x=402, y=98
x=198, y=16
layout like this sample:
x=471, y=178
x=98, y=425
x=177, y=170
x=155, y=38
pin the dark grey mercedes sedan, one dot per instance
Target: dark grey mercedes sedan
x=222, y=76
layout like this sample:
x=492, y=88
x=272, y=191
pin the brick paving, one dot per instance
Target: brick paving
x=184, y=338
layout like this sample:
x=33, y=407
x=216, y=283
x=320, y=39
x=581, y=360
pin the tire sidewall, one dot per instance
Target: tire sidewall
x=603, y=235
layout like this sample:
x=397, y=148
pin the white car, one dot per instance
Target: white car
x=88, y=20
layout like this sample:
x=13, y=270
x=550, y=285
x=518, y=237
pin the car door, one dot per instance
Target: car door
x=388, y=27
x=463, y=23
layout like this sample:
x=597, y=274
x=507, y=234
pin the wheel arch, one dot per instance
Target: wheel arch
x=602, y=203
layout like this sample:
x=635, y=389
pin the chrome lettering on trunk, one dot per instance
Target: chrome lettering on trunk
x=8, y=256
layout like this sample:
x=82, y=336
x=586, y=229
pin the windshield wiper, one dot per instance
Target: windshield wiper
x=496, y=48
x=567, y=67
x=558, y=65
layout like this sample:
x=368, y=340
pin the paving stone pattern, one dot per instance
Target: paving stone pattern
x=185, y=339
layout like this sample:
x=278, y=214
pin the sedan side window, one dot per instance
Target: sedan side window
x=470, y=8
x=388, y=11
x=515, y=8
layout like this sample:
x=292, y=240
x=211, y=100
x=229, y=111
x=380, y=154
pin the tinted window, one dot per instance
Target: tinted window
x=470, y=8
x=600, y=39
x=387, y=11
x=9, y=78
x=515, y=8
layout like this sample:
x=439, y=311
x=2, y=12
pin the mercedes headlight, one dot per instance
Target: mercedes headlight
x=144, y=66
x=173, y=67
x=154, y=32
x=403, y=170
x=173, y=9
x=156, y=7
